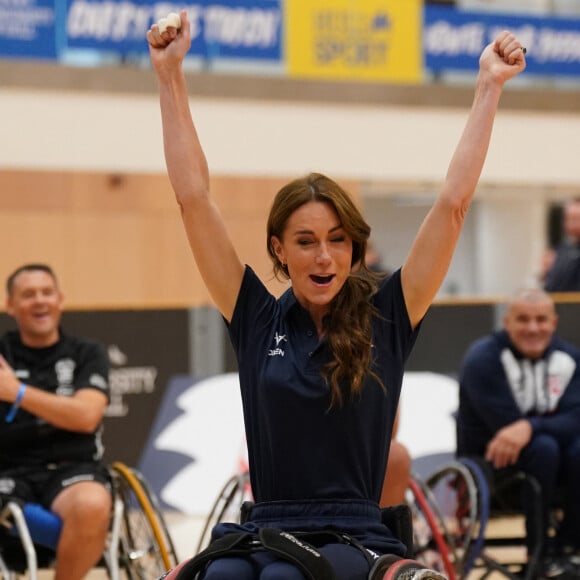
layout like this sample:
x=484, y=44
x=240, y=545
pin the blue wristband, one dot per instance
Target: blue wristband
x=14, y=409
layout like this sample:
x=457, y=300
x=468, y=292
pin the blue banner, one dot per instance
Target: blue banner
x=453, y=40
x=27, y=29
x=245, y=29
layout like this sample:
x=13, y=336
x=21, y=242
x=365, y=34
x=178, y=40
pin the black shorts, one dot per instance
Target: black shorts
x=42, y=483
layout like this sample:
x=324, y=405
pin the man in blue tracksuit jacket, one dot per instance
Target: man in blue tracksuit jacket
x=519, y=406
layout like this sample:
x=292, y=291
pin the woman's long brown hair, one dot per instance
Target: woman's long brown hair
x=348, y=324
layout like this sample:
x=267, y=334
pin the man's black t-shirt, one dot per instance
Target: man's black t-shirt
x=63, y=368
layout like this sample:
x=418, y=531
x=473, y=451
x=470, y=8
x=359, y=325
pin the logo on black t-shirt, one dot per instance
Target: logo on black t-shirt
x=65, y=371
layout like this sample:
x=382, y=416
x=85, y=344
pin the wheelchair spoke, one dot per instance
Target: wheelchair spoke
x=453, y=491
x=431, y=546
x=226, y=507
x=146, y=550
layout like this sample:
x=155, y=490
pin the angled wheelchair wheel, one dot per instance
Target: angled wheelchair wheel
x=172, y=558
x=454, y=491
x=145, y=547
x=431, y=547
x=500, y=553
x=227, y=505
x=483, y=513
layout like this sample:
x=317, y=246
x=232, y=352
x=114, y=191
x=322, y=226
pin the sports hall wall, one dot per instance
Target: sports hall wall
x=116, y=239
x=97, y=132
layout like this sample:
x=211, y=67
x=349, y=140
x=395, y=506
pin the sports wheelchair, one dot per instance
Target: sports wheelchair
x=234, y=502
x=480, y=518
x=505, y=550
x=447, y=506
x=139, y=546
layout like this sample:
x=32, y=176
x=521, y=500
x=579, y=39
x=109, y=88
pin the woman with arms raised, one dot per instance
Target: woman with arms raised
x=321, y=367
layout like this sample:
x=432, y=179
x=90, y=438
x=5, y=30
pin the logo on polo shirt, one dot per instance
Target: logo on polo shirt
x=278, y=338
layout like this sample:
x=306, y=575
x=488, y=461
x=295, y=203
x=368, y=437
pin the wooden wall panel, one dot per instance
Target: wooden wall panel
x=117, y=241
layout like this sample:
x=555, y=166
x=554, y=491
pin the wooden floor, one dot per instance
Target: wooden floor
x=501, y=527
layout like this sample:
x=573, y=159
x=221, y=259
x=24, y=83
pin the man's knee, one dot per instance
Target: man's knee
x=399, y=458
x=397, y=475
x=84, y=502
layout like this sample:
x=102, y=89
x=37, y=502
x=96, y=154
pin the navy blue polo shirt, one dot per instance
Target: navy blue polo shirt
x=298, y=447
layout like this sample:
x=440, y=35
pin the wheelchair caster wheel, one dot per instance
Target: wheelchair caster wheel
x=403, y=569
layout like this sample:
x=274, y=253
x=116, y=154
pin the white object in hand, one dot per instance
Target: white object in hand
x=172, y=20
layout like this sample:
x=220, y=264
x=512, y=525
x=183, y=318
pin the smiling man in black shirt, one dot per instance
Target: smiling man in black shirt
x=53, y=394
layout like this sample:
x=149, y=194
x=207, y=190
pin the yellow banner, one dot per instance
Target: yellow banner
x=369, y=40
